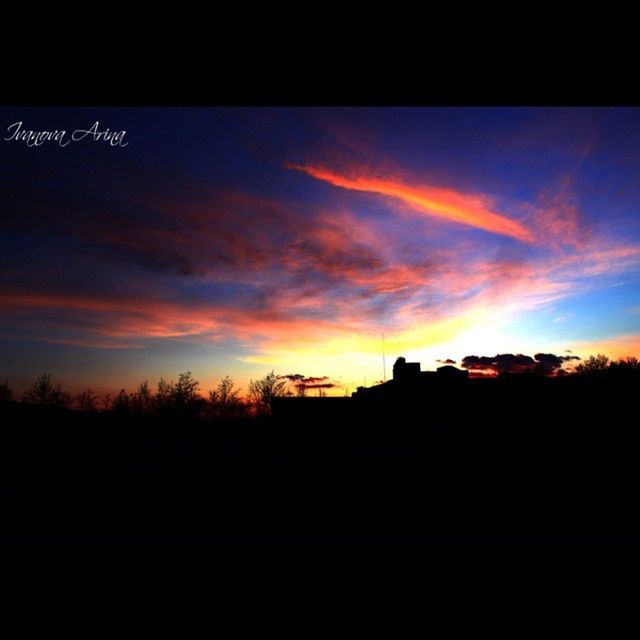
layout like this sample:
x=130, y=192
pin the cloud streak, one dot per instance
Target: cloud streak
x=446, y=204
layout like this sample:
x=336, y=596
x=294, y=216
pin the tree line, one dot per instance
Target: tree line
x=225, y=400
x=179, y=398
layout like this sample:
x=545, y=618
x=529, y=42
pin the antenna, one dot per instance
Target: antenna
x=384, y=361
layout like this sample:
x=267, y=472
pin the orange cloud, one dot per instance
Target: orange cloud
x=123, y=317
x=442, y=203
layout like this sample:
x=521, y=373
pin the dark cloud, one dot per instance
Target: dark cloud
x=447, y=361
x=326, y=385
x=550, y=362
x=297, y=377
x=303, y=383
x=546, y=363
x=313, y=380
x=160, y=232
x=480, y=363
x=510, y=363
x=257, y=254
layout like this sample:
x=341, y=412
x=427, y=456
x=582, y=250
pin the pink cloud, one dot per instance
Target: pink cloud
x=447, y=204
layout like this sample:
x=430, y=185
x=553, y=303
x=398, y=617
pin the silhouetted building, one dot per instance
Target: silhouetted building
x=452, y=373
x=409, y=373
x=404, y=371
x=410, y=383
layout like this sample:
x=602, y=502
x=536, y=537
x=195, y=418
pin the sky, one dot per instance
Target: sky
x=236, y=241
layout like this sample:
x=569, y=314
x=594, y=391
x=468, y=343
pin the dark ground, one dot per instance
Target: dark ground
x=527, y=491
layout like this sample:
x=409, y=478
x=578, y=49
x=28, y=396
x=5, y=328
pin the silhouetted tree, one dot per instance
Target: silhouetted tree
x=630, y=363
x=225, y=399
x=163, y=395
x=121, y=402
x=142, y=399
x=6, y=394
x=42, y=391
x=262, y=391
x=593, y=364
x=301, y=389
x=178, y=397
x=185, y=391
x=86, y=401
x=106, y=402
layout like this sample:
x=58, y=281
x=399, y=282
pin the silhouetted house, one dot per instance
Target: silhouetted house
x=409, y=386
x=404, y=371
x=409, y=373
x=448, y=372
x=409, y=381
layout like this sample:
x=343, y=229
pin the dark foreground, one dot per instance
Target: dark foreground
x=317, y=512
x=543, y=467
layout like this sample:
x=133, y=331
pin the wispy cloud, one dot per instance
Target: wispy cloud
x=281, y=277
x=447, y=204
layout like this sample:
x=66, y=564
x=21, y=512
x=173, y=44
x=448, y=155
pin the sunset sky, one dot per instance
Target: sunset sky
x=237, y=241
